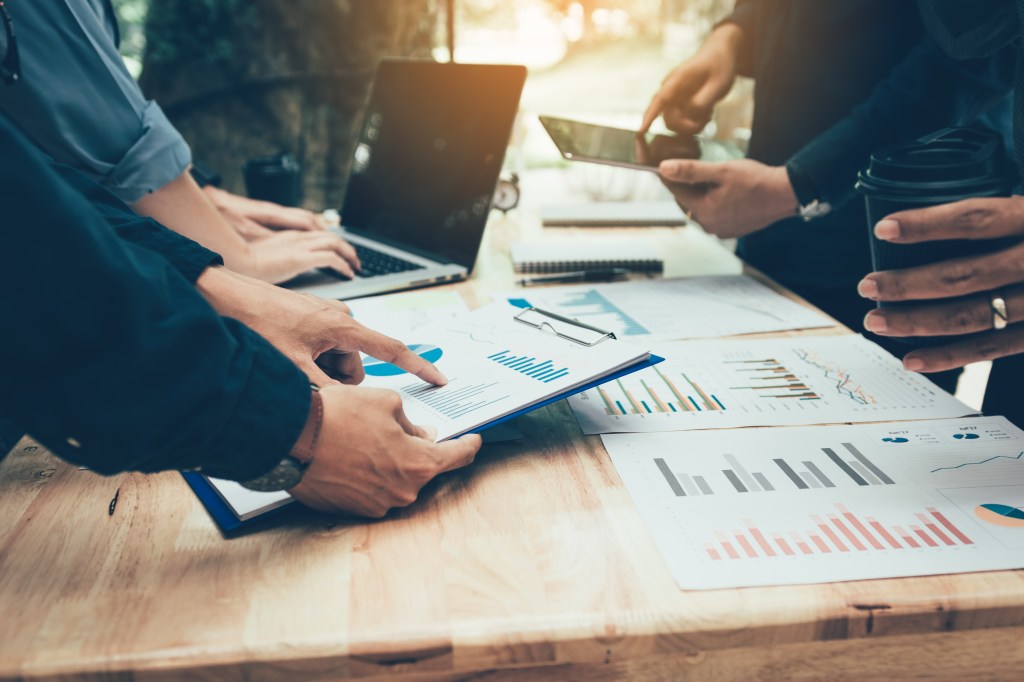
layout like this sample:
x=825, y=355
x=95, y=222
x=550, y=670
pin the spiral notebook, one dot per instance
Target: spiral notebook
x=553, y=257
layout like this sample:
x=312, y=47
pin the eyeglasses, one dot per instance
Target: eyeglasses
x=10, y=67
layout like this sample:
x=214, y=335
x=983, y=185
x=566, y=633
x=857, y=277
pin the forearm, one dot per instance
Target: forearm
x=926, y=92
x=739, y=29
x=183, y=207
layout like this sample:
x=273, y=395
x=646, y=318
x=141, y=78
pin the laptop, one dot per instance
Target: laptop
x=423, y=175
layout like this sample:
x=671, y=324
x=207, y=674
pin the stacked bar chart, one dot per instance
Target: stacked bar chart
x=837, y=533
x=541, y=370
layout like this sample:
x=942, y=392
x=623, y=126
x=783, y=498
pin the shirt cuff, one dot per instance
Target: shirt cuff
x=266, y=420
x=189, y=258
x=159, y=156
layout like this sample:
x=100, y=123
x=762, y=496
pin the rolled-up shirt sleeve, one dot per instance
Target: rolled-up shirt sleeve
x=78, y=103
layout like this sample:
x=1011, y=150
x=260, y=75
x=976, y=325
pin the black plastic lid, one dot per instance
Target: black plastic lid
x=954, y=162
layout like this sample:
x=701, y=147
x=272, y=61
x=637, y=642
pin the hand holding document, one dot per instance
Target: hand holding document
x=500, y=361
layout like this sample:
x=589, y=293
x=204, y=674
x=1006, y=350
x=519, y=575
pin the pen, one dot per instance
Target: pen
x=605, y=275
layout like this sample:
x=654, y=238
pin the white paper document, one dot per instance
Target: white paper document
x=400, y=315
x=823, y=504
x=495, y=365
x=669, y=309
x=763, y=382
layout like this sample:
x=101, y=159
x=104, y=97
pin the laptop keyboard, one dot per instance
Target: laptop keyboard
x=376, y=263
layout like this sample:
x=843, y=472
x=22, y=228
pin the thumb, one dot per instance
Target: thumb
x=688, y=172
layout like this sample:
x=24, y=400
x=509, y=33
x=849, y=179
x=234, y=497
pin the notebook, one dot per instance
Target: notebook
x=613, y=214
x=501, y=361
x=549, y=257
x=423, y=174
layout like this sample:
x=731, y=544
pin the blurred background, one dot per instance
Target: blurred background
x=246, y=78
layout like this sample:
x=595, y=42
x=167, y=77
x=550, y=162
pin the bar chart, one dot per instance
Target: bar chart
x=663, y=397
x=769, y=506
x=457, y=398
x=840, y=531
x=541, y=370
x=821, y=469
x=775, y=382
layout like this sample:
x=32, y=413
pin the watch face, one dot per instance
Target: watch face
x=284, y=476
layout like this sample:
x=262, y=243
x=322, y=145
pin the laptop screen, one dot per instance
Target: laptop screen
x=428, y=157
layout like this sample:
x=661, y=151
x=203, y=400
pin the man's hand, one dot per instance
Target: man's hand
x=688, y=95
x=968, y=283
x=319, y=336
x=254, y=219
x=730, y=198
x=284, y=255
x=370, y=458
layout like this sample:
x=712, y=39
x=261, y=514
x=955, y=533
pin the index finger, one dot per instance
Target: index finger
x=654, y=110
x=397, y=353
x=458, y=452
x=986, y=218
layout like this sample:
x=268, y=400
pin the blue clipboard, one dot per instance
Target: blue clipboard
x=227, y=521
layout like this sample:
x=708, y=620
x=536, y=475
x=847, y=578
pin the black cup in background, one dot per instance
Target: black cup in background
x=947, y=166
x=275, y=178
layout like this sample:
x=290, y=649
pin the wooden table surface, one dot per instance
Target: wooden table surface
x=531, y=564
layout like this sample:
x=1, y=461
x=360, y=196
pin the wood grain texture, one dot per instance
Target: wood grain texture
x=531, y=564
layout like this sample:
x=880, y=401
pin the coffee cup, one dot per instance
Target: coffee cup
x=944, y=167
x=275, y=178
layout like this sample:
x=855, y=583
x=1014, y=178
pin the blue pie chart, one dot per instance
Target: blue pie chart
x=896, y=439
x=379, y=368
x=966, y=436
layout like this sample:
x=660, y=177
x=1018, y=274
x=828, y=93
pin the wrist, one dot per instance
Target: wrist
x=305, y=446
x=725, y=43
x=784, y=203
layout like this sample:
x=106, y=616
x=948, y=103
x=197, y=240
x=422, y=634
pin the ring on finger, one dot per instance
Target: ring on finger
x=998, y=306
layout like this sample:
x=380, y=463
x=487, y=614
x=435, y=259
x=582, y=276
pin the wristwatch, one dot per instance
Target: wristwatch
x=289, y=471
x=809, y=206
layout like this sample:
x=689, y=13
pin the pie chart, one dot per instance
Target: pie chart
x=1001, y=515
x=896, y=439
x=966, y=436
x=379, y=368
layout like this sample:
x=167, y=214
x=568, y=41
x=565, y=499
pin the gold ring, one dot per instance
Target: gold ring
x=998, y=306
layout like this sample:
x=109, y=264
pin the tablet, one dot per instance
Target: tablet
x=578, y=141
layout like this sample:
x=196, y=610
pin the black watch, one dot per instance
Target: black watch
x=288, y=472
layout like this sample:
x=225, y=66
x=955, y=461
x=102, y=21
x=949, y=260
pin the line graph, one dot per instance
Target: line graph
x=1019, y=457
x=844, y=383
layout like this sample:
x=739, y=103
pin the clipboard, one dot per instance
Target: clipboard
x=563, y=327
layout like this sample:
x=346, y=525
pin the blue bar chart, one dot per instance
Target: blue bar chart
x=541, y=370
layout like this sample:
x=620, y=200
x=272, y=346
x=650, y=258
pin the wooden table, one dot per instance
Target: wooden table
x=531, y=564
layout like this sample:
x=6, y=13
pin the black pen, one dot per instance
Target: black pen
x=605, y=275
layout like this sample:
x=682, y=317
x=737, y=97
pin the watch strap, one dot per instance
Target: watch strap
x=305, y=446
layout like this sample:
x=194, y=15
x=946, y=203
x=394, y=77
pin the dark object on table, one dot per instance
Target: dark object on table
x=275, y=178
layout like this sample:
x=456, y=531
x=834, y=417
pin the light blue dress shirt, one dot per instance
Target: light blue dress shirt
x=78, y=103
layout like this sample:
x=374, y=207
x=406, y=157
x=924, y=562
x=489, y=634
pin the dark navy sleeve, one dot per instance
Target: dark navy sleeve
x=926, y=92
x=111, y=359
x=185, y=255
